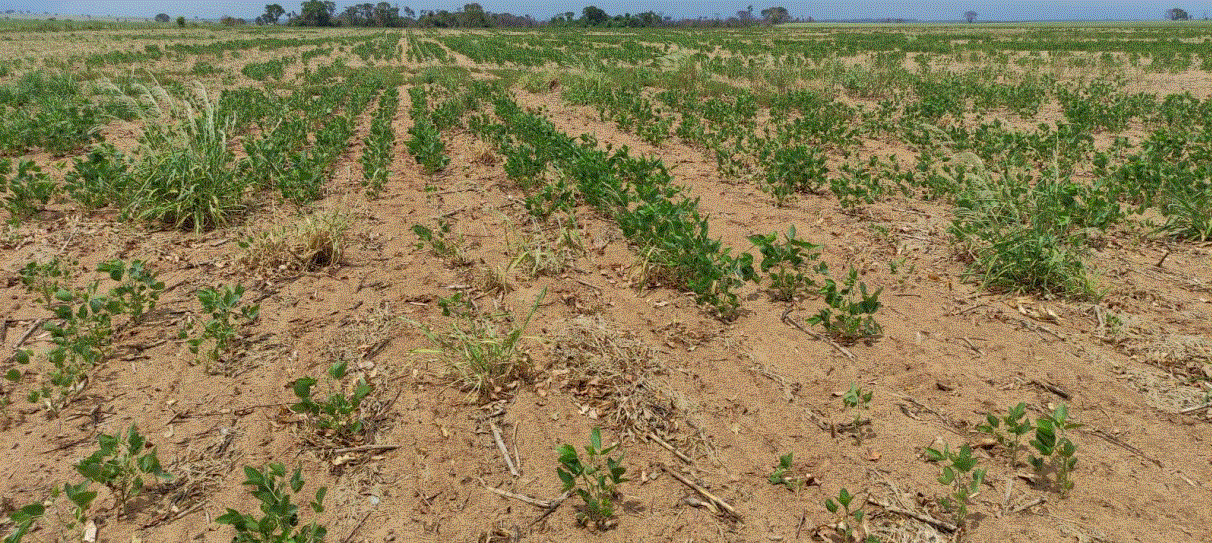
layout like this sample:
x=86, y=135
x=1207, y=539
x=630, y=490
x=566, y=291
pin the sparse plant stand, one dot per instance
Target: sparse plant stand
x=595, y=479
x=856, y=401
x=441, y=242
x=847, y=514
x=224, y=318
x=26, y=192
x=1057, y=453
x=481, y=351
x=339, y=415
x=280, y=516
x=960, y=473
x=1008, y=429
x=848, y=320
x=782, y=474
x=120, y=465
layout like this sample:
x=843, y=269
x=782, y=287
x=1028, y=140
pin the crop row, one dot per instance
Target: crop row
x=380, y=144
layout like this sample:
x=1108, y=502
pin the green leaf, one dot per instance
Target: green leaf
x=786, y=460
x=232, y=518
x=134, y=440
x=318, y=504
x=568, y=479
x=296, y=480
x=947, y=476
x=253, y=477
x=79, y=495
x=302, y=387
x=844, y=497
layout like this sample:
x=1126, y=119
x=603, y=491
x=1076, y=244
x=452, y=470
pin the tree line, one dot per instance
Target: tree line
x=473, y=15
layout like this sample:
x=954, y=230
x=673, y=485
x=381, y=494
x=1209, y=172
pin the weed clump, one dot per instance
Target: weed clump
x=306, y=244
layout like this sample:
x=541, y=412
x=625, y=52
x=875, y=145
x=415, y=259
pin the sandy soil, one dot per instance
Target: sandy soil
x=701, y=402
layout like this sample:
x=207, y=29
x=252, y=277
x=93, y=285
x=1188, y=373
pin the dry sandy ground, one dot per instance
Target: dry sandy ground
x=728, y=398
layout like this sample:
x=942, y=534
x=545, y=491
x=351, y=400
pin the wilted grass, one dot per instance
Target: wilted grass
x=481, y=352
x=304, y=244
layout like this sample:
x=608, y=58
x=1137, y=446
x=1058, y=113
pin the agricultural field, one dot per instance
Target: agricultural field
x=835, y=283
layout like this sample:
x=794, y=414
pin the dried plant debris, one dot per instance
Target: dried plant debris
x=619, y=377
x=196, y=476
x=306, y=244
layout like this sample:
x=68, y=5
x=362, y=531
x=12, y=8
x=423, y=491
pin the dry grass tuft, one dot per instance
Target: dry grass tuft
x=493, y=280
x=548, y=252
x=483, y=154
x=305, y=244
x=619, y=376
x=482, y=353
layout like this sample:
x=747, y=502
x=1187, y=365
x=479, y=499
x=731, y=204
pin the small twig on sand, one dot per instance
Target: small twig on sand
x=1196, y=408
x=941, y=525
x=703, y=492
x=791, y=322
x=555, y=504
x=1053, y=388
x=26, y=335
x=358, y=527
x=590, y=285
x=496, y=436
x=521, y=497
x=365, y=448
x=1006, y=502
x=675, y=452
x=1029, y=505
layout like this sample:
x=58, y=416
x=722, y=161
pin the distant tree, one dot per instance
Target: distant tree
x=473, y=16
x=163, y=18
x=181, y=21
x=776, y=15
x=273, y=12
x=315, y=13
x=1177, y=14
x=970, y=15
x=594, y=16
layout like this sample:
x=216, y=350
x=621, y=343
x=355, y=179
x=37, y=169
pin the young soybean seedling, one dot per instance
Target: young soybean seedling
x=280, y=516
x=596, y=478
x=23, y=521
x=1008, y=429
x=780, y=474
x=856, y=400
x=845, y=516
x=119, y=465
x=959, y=472
x=339, y=415
x=224, y=317
x=1057, y=452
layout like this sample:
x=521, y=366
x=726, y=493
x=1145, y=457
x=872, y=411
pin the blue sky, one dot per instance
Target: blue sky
x=927, y=10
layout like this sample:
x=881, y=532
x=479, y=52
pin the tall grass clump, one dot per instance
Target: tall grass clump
x=1027, y=235
x=186, y=177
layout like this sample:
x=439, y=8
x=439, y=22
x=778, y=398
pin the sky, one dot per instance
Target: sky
x=1020, y=10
